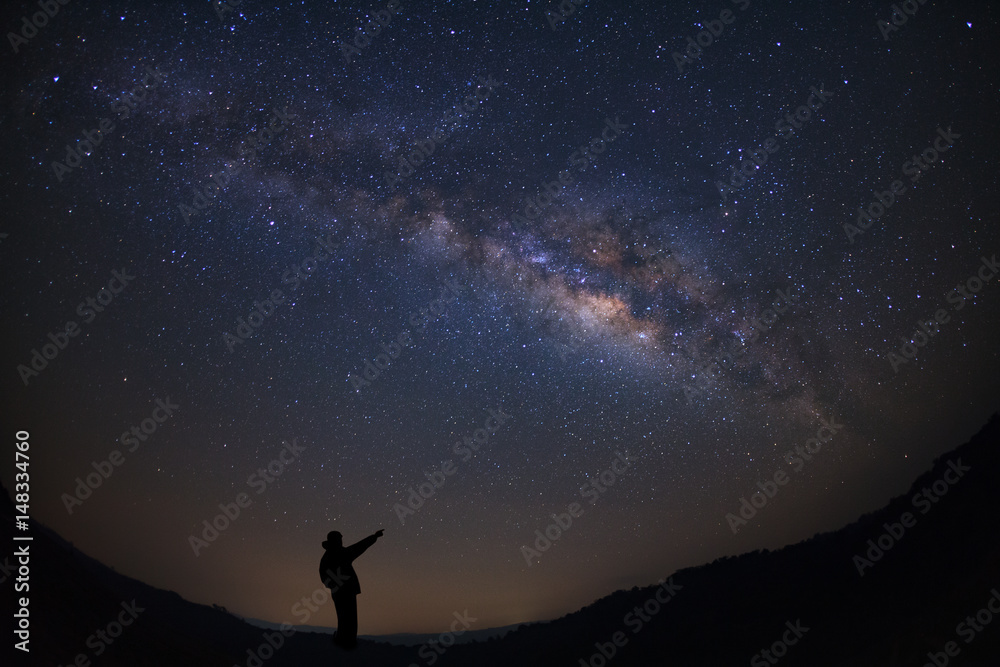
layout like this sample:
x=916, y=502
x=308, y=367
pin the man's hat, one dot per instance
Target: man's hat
x=330, y=539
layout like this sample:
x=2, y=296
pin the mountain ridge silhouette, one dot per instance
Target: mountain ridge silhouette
x=906, y=604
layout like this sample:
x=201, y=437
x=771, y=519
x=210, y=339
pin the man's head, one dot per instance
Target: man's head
x=333, y=539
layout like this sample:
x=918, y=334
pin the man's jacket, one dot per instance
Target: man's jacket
x=335, y=567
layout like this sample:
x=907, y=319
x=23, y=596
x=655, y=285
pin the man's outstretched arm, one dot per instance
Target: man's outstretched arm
x=360, y=547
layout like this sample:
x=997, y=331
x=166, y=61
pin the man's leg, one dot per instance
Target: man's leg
x=350, y=622
x=347, y=620
x=338, y=636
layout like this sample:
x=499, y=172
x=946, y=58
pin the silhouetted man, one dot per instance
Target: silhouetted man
x=338, y=575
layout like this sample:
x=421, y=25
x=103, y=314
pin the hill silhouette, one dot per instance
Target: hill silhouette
x=908, y=603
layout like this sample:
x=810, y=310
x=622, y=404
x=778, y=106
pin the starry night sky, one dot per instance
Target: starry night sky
x=592, y=322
